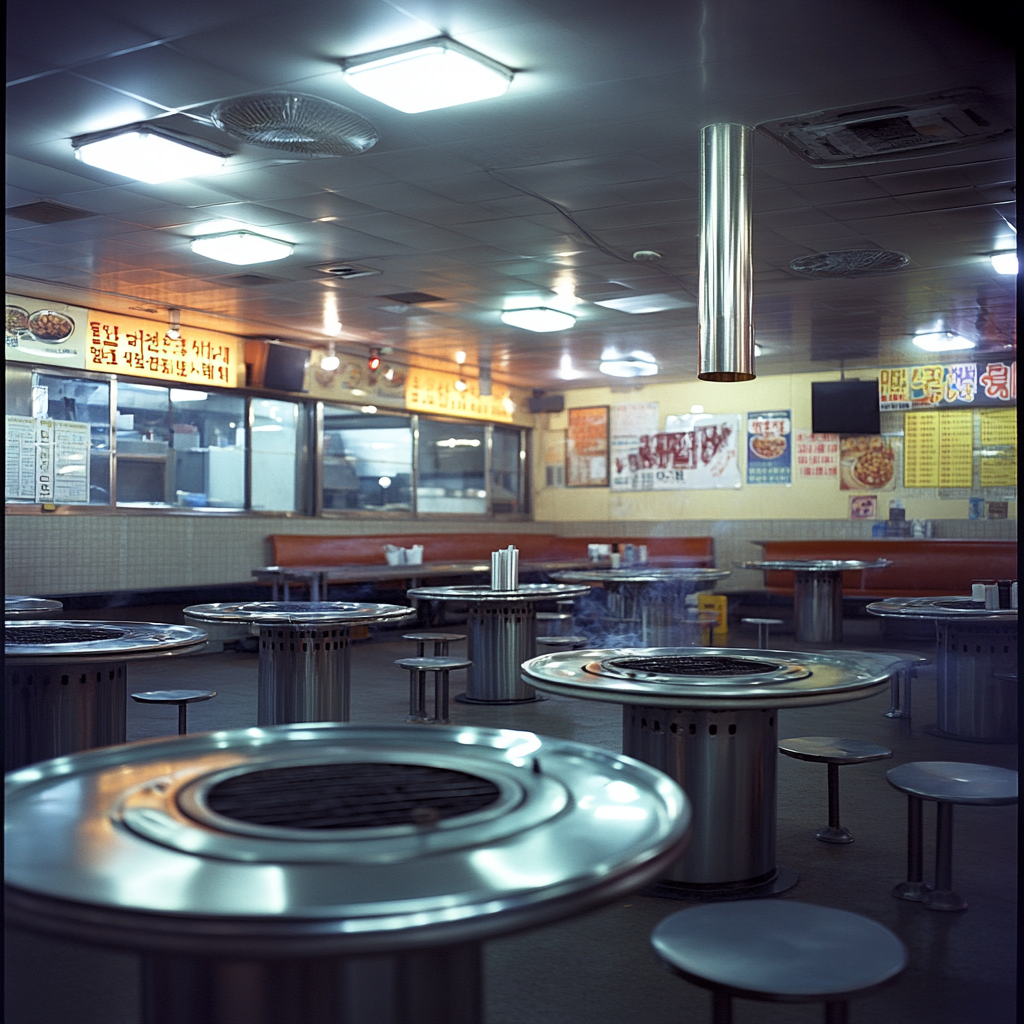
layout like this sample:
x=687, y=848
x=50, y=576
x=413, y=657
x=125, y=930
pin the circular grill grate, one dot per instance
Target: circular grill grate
x=692, y=665
x=334, y=796
x=962, y=604
x=849, y=263
x=302, y=606
x=33, y=635
x=297, y=123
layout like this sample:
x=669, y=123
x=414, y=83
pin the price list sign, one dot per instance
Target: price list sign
x=921, y=449
x=956, y=449
x=816, y=454
x=938, y=449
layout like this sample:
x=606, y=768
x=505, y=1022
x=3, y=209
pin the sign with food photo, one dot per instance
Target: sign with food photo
x=769, y=448
x=45, y=332
x=866, y=463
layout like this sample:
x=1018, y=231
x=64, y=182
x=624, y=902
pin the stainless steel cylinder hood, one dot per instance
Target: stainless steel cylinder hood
x=725, y=325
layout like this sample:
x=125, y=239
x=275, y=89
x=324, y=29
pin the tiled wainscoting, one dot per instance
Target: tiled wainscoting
x=49, y=554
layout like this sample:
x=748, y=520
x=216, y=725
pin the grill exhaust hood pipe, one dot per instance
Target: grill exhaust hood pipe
x=725, y=294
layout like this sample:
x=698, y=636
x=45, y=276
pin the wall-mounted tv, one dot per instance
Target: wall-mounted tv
x=845, y=407
x=286, y=367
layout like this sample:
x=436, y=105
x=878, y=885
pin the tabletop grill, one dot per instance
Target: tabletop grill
x=31, y=635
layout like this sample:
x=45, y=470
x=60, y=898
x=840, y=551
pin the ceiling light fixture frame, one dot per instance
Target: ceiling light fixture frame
x=79, y=142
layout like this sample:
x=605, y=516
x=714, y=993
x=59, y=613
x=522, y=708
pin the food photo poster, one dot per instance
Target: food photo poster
x=867, y=463
x=769, y=447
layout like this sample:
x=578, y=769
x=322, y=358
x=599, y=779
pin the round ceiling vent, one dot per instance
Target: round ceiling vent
x=296, y=123
x=849, y=263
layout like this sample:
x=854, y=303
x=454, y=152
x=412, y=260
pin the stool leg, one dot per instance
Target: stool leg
x=914, y=888
x=721, y=1008
x=834, y=832
x=908, y=678
x=762, y=635
x=417, y=695
x=421, y=646
x=441, y=696
x=894, y=696
x=837, y=1012
x=181, y=719
x=943, y=897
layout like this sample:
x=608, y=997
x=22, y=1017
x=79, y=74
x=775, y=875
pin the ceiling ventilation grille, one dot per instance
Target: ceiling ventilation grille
x=346, y=271
x=45, y=212
x=889, y=131
x=849, y=263
x=296, y=123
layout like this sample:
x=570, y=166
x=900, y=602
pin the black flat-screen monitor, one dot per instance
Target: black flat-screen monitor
x=845, y=407
x=286, y=367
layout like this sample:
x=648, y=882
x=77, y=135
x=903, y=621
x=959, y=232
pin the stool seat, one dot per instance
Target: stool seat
x=833, y=750
x=437, y=637
x=428, y=664
x=566, y=642
x=779, y=950
x=953, y=782
x=763, y=622
x=763, y=625
x=173, y=696
x=418, y=668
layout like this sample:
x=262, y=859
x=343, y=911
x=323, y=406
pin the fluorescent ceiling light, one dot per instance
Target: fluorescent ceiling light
x=539, y=318
x=330, y=362
x=1004, y=262
x=945, y=341
x=139, y=152
x=636, y=364
x=427, y=75
x=645, y=303
x=241, y=248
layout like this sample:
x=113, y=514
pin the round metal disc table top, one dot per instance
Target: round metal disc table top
x=304, y=613
x=640, y=574
x=721, y=678
x=16, y=607
x=331, y=838
x=952, y=607
x=526, y=592
x=39, y=641
x=816, y=564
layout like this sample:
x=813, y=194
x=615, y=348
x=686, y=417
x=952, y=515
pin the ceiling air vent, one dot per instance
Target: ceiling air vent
x=345, y=271
x=849, y=263
x=45, y=212
x=891, y=130
x=296, y=123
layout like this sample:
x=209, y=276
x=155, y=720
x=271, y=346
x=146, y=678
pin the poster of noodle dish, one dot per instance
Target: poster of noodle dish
x=769, y=447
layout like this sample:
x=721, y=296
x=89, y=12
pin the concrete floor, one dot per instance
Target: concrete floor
x=598, y=969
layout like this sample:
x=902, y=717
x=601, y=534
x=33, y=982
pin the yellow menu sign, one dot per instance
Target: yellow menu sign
x=998, y=426
x=142, y=348
x=433, y=391
x=956, y=448
x=938, y=449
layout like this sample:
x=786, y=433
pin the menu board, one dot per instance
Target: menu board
x=435, y=391
x=20, y=458
x=586, y=447
x=998, y=426
x=769, y=448
x=816, y=454
x=45, y=332
x=998, y=470
x=950, y=384
x=938, y=449
x=144, y=348
x=47, y=460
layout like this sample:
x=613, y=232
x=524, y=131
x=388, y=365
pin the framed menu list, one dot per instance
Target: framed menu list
x=586, y=447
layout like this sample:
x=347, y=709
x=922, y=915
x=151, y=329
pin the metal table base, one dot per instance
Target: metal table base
x=499, y=638
x=304, y=674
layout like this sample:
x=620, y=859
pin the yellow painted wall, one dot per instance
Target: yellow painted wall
x=805, y=499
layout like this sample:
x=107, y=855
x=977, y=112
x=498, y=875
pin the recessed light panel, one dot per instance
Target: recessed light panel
x=944, y=341
x=429, y=75
x=147, y=156
x=241, y=247
x=636, y=364
x=645, y=303
x=539, y=319
x=1004, y=262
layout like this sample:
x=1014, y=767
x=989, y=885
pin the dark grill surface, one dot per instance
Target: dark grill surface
x=683, y=665
x=331, y=796
x=303, y=606
x=57, y=635
x=962, y=603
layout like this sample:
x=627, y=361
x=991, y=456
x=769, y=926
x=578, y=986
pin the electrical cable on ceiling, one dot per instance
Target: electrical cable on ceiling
x=592, y=239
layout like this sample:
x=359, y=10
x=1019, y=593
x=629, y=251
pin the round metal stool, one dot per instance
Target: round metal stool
x=779, y=951
x=833, y=752
x=763, y=626
x=947, y=783
x=440, y=640
x=561, y=643
x=418, y=669
x=180, y=697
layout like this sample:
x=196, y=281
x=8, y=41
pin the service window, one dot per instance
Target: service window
x=208, y=444
x=145, y=460
x=508, y=457
x=367, y=461
x=276, y=429
x=452, y=467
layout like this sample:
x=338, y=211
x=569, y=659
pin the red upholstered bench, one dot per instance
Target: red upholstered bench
x=920, y=568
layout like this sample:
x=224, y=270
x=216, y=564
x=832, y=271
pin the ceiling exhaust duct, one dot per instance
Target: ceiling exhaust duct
x=725, y=325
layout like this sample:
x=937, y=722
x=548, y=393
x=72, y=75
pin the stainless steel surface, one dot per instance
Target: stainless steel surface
x=725, y=292
x=56, y=641
x=501, y=633
x=976, y=648
x=16, y=607
x=817, y=593
x=640, y=574
x=716, y=735
x=571, y=827
x=305, y=653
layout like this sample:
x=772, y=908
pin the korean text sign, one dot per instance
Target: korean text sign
x=992, y=382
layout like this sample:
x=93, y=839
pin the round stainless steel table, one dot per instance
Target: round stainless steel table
x=975, y=650
x=29, y=607
x=305, y=671
x=648, y=603
x=817, y=593
x=708, y=718
x=66, y=682
x=501, y=630
x=339, y=873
